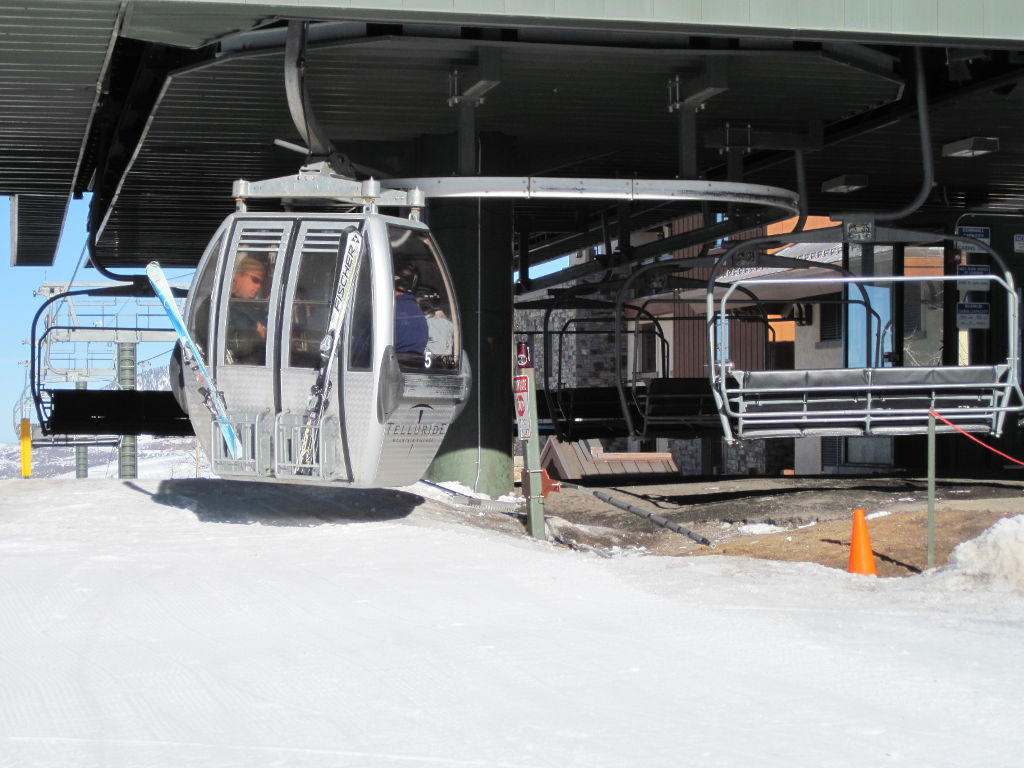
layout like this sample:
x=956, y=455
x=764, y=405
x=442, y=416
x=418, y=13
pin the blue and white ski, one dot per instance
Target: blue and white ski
x=350, y=254
x=194, y=359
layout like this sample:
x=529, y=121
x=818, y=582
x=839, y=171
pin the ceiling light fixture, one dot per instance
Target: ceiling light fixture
x=971, y=146
x=848, y=182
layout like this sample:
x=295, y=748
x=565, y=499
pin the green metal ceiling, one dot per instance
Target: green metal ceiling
x=155, y=106
x=934, y=21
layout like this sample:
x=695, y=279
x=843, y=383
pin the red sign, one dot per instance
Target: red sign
x=521, y=404
x=521, y=387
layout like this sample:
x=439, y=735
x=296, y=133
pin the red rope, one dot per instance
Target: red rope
x=940, y=417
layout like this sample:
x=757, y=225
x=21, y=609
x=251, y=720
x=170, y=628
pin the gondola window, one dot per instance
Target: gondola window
x=314, y=288
x=426, y=331
x=361, y=323
x=248, y=307
x=199, y=308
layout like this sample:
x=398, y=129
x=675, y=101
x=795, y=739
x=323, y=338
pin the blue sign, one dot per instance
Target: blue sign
x=972, y=315
x=965, y=273
x=978, y=233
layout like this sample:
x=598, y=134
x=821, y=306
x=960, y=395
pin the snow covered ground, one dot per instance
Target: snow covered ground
x=202, y=623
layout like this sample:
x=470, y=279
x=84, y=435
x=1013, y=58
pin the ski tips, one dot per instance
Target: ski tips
x=155, y=274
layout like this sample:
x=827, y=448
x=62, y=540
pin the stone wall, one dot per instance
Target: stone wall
x=688, y=455
x=711, y=455
x=528, y=325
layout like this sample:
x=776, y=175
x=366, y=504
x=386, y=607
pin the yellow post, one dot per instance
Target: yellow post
x=26, y=448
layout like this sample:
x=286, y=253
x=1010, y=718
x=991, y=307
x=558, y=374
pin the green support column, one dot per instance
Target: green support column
x=476, y=239
x=81, y=451
x=127, y=460
x=931, y=489
x=532, y=482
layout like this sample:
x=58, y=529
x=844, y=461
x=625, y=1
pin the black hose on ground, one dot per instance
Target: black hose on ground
x=634, y=510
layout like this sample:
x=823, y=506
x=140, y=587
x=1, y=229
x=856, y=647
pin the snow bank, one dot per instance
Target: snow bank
x=995, y=558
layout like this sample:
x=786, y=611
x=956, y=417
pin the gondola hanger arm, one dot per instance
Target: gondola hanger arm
x=319, y=182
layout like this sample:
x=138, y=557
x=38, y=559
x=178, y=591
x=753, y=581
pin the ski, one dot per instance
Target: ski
x=351, y=252
x=193, y=358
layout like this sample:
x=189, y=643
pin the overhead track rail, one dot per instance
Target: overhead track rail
x=319, y=180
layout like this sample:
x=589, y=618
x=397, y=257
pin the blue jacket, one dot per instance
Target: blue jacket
x=410, y=325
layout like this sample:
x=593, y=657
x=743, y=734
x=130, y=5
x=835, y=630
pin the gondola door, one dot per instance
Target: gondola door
x=400, y=375
x=424, y=374
x=246, y=324
x=311, y=286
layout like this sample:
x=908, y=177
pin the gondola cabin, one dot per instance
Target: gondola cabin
x=259, y=309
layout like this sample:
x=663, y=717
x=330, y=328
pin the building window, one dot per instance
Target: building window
x=648, y=349
x=831, y=314
x=913, y=326
x=831, y=452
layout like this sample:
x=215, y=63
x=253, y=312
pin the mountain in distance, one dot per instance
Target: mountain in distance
x=150, y=379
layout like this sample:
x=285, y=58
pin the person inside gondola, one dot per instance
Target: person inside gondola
x=247, y=312
x=411, y=332
x=440, y=329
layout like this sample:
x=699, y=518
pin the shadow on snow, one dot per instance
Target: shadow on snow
x=232, y=501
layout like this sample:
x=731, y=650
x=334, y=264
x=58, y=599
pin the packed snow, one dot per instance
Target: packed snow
x=196, y=622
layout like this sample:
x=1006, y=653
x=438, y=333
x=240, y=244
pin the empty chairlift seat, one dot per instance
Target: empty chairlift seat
x=870, y=400
x=679, y=405
x=858, y=401
x=116, y=412
x=579, y=413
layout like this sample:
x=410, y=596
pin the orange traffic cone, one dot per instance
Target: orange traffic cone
x=862, y=559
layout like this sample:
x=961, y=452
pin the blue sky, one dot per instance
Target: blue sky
x=18, y=304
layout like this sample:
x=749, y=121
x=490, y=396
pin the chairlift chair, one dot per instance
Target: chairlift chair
x=873, y=399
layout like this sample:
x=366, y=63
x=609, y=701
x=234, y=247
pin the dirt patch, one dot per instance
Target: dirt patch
x=794, y=519
x=899, y=540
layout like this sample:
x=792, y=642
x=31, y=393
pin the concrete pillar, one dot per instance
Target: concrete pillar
x=127, y=461
x=476, y=239
x=81, y=451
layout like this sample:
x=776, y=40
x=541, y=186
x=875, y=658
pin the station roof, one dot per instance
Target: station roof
x=156, y=107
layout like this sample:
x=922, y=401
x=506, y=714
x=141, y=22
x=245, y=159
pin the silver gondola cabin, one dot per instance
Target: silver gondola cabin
x=259, y=309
